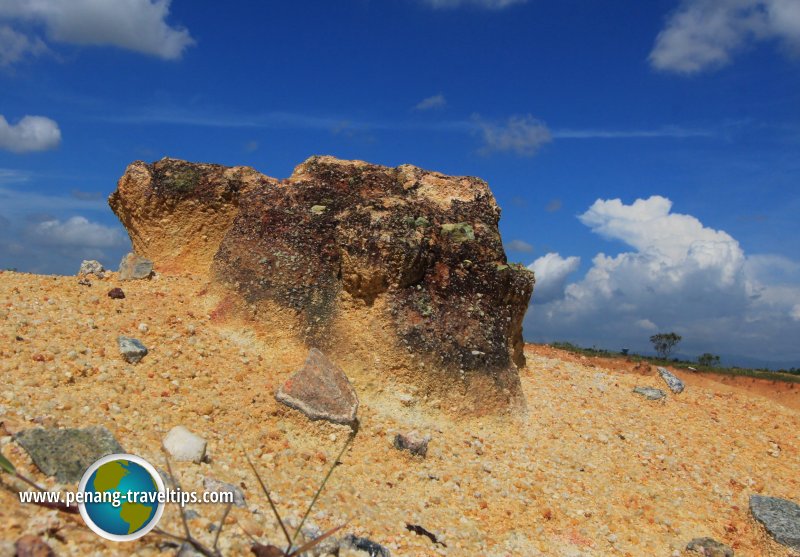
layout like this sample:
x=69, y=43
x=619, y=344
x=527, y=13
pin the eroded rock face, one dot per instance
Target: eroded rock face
x=340, y=237
x=177, y=212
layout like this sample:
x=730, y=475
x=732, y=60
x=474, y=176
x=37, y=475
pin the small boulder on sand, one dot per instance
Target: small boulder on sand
x=321, y=391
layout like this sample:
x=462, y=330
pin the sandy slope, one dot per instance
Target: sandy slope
x=592, y=470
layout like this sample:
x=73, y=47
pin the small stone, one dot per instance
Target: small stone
x=412, y=442
x=211, y=484
x=67, y=453
x=321, y=391
x=709, y=548
x=7, y=548
x=675, y=385
x=143, y=328
x=84, y=281
x=132, y=349
x=134, y=267
x=367, y=545
x=91, y=267
x=185, y=446
x=780, y=517
x=650, y=392
x=318, y=209
x=188, y=550
x=406, y=399
x=33, y=546
x=116, y=294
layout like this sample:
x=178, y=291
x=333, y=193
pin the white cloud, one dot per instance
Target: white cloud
x=520, y=246
x=15, y=46
x=523, y=135
x=31, y=133
x=430, y=103
x=138, y=25
x=76, y=232
x=12, y=176
x=551, y=271
x=488, y=4
x=705, y=34
x=679, y=275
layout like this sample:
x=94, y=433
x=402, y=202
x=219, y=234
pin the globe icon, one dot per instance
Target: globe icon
x=122, y=497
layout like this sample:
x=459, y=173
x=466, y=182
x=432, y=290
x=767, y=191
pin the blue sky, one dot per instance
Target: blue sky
x=571, y=110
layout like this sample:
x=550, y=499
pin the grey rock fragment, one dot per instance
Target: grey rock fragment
x=132, y=349
x=650, y=392
x=91, y=267
x=709, y=548
x=675, y=385
x=366, y=545
x=412, y=442
x=67, y=453
x=134, y=267
x=212, y=484
x=781, y=519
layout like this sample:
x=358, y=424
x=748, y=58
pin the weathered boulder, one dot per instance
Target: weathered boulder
x=414, y=257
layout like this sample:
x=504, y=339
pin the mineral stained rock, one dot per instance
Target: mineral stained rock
x=418, y=252
x=321, y=391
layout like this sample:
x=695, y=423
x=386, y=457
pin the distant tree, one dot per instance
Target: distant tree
x=708, y=360
x=664, y=343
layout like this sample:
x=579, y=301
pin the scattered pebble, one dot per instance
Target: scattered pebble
x=132, y=349
x=412, y=442
x=185, y=446
x=116, y=294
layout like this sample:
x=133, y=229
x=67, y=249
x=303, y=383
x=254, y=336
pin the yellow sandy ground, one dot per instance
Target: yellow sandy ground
x=592, y=470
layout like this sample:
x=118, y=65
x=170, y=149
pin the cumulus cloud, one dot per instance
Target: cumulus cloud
x=137, y=25
x=551, y=271
x=679, y=275
x=705, y=34
x=520, y=246
x=523, y=135
x=430, y=103
x=76, y=232
x=488, y=4
x=31, y=133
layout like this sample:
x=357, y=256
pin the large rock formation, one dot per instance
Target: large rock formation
x=347, y=254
